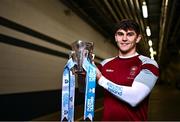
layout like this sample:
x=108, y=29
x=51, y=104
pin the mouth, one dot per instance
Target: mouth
x=124, y=44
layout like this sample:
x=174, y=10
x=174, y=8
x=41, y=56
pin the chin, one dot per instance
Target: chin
x=124, y=50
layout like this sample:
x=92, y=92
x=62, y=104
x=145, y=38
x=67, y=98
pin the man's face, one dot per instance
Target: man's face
x=126, y=41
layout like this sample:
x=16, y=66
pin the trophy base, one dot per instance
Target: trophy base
x=81, y=78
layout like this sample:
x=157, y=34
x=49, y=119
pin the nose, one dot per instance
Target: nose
x=124, y=38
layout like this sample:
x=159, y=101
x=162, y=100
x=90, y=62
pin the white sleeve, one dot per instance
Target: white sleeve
x=133, y=95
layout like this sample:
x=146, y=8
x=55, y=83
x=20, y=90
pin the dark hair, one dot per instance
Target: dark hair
x=127, y=24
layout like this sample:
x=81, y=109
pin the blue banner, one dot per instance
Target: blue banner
x=68, y=91
x=90, y=90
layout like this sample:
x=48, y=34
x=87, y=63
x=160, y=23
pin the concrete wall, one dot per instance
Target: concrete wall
x=30, y=61
x=171, y=74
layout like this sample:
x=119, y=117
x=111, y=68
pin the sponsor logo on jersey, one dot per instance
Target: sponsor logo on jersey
x=114, y=89
x=109, y=70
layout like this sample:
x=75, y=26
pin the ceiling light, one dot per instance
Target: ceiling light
x=154, y=52
x=144, y=10
x=152, y=56
x=150, y=43
x=148, y=31
x=151, y=49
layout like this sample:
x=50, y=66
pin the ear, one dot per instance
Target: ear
x=138, y=39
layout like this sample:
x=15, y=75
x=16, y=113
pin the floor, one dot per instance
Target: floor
x=164, y=106
x=165, y=103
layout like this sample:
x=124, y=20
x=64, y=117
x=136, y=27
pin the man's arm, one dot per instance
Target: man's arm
x=133, y=95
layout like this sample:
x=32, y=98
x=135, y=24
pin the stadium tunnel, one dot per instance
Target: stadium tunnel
x=36, y=38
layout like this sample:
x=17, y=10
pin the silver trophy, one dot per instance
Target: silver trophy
x=80, y=51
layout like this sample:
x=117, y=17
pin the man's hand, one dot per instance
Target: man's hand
x=98, y=74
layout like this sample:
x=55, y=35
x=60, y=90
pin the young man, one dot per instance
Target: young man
x=127, y=78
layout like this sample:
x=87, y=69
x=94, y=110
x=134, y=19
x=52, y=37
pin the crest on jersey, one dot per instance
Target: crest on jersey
x=132, y=72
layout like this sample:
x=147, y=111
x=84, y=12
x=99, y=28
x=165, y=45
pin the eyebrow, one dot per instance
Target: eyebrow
x=121, y=33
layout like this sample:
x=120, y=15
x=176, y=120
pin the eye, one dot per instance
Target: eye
x=130, y=34
x=119, y=33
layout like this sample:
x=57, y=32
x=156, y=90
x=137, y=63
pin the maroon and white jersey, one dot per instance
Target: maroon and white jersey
x=122, y=77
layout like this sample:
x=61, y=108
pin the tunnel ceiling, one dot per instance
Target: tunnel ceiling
x=163, y=20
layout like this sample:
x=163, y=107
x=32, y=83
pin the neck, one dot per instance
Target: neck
x=128, y=53
x=121, y=55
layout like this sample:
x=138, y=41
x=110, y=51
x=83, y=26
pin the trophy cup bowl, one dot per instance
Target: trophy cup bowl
x=79, y=54
x=80, y=51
